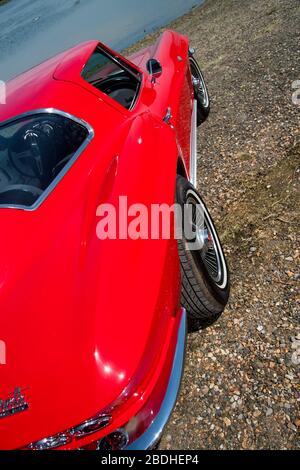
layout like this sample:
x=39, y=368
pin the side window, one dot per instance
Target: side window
x=113, y=78
x=34, y=151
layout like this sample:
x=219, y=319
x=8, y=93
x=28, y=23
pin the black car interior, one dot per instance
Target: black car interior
x=33, y=152
x=113, y=77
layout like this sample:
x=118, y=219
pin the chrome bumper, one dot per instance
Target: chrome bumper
x=153, y=434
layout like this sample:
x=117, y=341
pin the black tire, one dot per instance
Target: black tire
x=205, y=291
x=201, y=92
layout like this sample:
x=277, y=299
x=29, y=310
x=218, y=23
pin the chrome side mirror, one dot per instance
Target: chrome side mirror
x=154, y=68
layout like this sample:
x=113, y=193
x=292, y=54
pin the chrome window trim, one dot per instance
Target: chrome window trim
x=66, y=168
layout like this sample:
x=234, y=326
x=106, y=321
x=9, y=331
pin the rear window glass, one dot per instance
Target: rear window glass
x=34, y=153
x=112, y=77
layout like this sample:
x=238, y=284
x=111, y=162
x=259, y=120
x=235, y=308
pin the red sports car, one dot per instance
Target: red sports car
x=94, y=327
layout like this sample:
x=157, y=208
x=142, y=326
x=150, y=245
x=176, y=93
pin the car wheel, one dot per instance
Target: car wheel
x=205, y=276
x=201, y=92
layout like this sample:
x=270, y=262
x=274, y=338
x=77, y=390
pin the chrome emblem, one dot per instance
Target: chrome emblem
x=13, y=404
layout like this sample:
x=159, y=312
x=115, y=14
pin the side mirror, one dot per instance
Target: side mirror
x=154, y=68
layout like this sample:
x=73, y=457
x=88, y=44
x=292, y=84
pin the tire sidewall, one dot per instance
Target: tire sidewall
x=202, y=112
x=199, y=269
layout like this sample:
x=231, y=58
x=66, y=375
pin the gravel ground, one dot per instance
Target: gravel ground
x=241, y=383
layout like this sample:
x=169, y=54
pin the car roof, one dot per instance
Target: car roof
x=51, y=85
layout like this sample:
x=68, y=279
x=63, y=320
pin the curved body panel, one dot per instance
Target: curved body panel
x=91, y=325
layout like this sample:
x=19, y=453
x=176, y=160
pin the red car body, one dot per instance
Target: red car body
x=95, y=327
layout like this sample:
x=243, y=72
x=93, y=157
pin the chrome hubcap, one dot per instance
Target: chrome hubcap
x=207, y=245
x=211, y=259
x=199, y=83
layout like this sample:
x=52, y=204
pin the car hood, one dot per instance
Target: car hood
x=77, y=314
